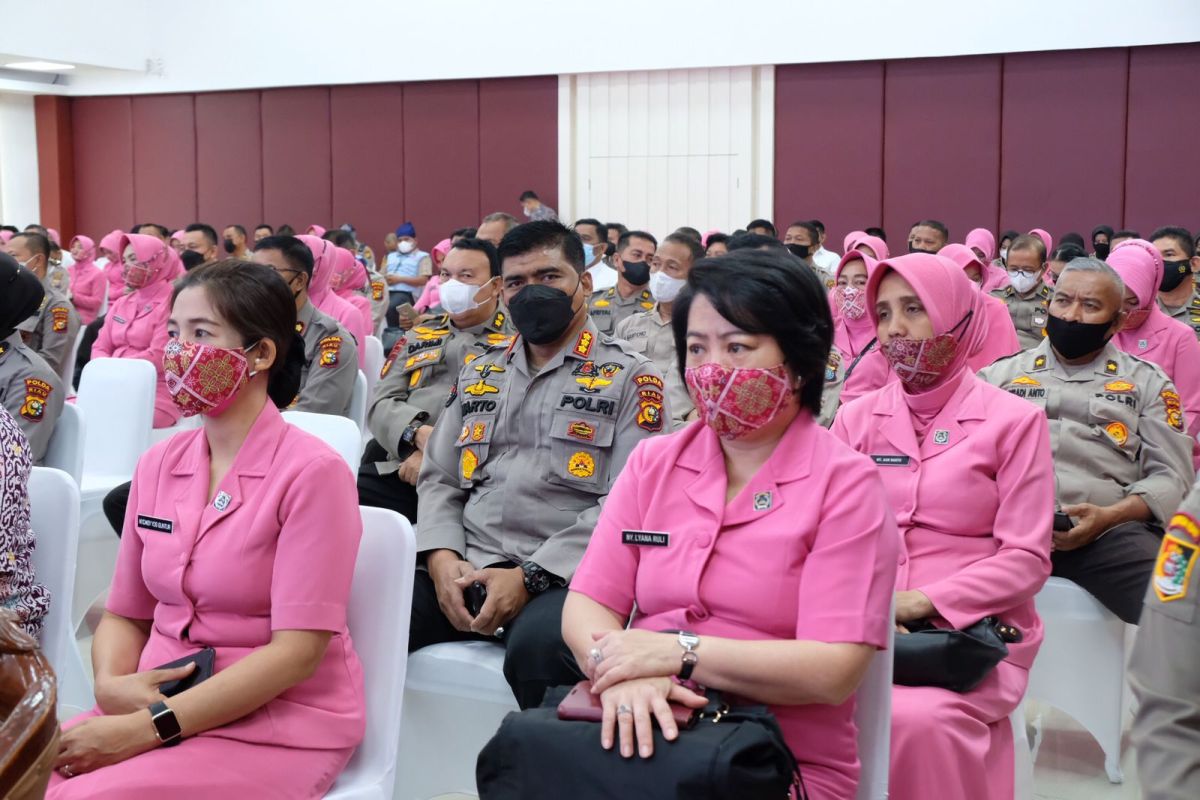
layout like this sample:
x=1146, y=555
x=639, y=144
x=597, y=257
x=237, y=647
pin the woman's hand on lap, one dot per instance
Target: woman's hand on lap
x=629, y=707
x=629, y=654
x=102, y=741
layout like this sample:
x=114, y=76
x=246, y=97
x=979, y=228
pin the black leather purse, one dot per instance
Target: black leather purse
x=952, y=659
x=728, y=753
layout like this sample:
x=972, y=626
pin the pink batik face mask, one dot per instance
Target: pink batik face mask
x=1134, y=319
x=851, y=301
x=921, y=363
x=204, y=379
x=736, y=402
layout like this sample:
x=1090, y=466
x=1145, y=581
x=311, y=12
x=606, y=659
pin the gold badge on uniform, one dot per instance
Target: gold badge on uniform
x=1119, y=387
x=469, y=462
x=583, y=345
x=466, y=431
x=329, y=348
x=1185, y=523
x=1176, y=558
x=1117, y=432
x=423, y=358
x=1110, y=367
x=581, y=430
x=581, y=465
x=1039, y=362
x=477, y=431
x=600, y=304
x=1174, y=409
x=414, y=378
x=60, y=316
x=480, y=388
x=1025, y=380
x=37, y=392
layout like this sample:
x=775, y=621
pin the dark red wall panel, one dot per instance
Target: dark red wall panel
x=518, y=141
x=297, y=167
x=103, y=164
x=56, y=164
x=367, y=129
x=829, y=146
x=1163, y=157
x=164, y=159
x=441, y=157
x=1063, y=140
x=229, y=166
x=941, y=145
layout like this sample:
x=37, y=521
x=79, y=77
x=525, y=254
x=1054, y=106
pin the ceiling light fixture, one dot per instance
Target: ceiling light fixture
x=40, y=66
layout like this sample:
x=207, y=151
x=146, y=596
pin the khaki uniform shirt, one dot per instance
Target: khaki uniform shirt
x=418, y=374
x=608, y=308
x=51, y=330
x=1163, y=669
x=652, y=336
x=831, y=395
x=58, y=277
x=1187, y=314
x=520, y=461
x=1028, y=313
x=1116, y=426
x=31, y=391
x=330, y=363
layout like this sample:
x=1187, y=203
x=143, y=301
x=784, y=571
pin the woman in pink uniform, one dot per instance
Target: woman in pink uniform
x=1000, y=339
x=349, y=276
x=240, y=536
x=853, y=332
x=136, y=323
x=88, y=285
x=110, y=248
x=323, y=297
x=983, y=244
x=772, y=540
x=969, y=474
x=1151, y=335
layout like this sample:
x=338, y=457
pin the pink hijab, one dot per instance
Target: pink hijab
x=87, y=282
x=438, y=254
x=348, y=277
x=315, y=230
x=163, y=262
x=325, y=299
x=982, y=240
x=114, y=269
x=53, y=234
x=851, y=239
x=1002, y=338
x=1140, y=266
x=5, y=236
x=878, y=246
x=852, y=335
x=1046, y=238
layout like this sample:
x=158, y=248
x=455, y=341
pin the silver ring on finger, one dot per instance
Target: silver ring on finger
x=595, y=655
x=66, y=771
x=624, y=709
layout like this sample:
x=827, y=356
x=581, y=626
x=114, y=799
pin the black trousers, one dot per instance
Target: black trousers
x=1115, y=568
x=85, y=348
x=386, y=491
x=535, y=658
x=115, y=503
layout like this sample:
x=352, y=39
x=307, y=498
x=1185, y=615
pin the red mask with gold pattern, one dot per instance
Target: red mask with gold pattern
x=204, y=379
x=735, y=402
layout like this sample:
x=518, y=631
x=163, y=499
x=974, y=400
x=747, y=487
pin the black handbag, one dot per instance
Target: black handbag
x=952, y=659
x=727, y=753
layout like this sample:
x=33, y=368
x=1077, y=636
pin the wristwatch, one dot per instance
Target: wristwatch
x=537, y=580
x=689, y=642
x=166, y=727
x=409, y=436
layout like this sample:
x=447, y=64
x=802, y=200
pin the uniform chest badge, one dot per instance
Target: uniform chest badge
x=469, y=462
x=1119, y=387
x=582, y=431
x=1143, y=344
x=941, y=436
x=763, y=501
x=480, y=388
x=1176, y=559
x=222, y=501
x=1117, y=432
x=1025, y=380
x=581, y=465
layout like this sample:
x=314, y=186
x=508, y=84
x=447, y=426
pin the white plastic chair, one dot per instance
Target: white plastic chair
x=54, y=515
x=67, y=370
x=380, y=608
x=873, y=716
x=1022, y=756
x=447, y=684
x=117, y=396
x=185, y=424
x=1080, y=668
x=358, y=403
x=374, y=363
x=65, y=450
x=338, y=432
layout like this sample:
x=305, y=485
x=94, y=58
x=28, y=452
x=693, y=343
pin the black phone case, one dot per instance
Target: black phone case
x=205, y=663
x=474, y=597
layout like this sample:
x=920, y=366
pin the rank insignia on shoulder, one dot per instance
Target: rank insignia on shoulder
x=1176, y=559
x=1039, y=362
x=499, y=320
x=1110, y=367
x=583, y=345
x=37, y=392
x=300, y=327
x=329, y=349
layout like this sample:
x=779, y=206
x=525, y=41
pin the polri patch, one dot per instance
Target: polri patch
x=1176, y=559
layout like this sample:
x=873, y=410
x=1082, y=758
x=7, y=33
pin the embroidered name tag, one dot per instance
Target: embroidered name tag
x=891, y=461
x=155, y=524
x=646, y=538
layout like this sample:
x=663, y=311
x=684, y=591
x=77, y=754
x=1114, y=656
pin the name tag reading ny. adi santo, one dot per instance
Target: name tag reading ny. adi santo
x=646, y=538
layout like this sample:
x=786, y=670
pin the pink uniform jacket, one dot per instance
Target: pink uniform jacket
x=806, y=551
x=350, y=276
x=88, y=284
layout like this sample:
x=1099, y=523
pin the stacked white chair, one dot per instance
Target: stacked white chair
x=358, y=403
x=373, y=364
x=338, y=432
x=873, y=716
x=67, y=370
x=65, y=450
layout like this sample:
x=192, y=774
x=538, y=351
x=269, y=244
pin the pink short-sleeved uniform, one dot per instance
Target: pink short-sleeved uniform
x=274, y=549
x=808, y=550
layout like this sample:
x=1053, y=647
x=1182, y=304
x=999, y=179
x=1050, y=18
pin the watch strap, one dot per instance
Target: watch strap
x=166, y=726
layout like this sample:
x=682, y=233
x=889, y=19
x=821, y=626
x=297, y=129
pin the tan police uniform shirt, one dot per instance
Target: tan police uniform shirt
x=1028, y=313
x=608, y=308
x=1163, y=670
x=31, y=391
x=520, y=461
x=418, y=374
x=652, y=336
x=1116, y=426
x=1187, y=314
x=831, y=395
x=330, y=363
x=51, y=330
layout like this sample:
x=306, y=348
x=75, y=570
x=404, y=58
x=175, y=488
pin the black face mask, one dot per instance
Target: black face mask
x=1101, y=249
x=191, y=259
x=636, y=272
x=799, y=250
x=914, y=249
x=541, y=313
x=1173, y=274
x=1074, y=340
x=230, y=246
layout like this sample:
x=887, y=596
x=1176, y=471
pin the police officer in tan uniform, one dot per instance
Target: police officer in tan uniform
x=531, y=439
x=1027, y=295
x=1122, y=460
x=1178, y=295
x=1162, y=671
x=330, y=352
x=29, y=389
x=423, y=365
x=608, y=308
x=50, y=330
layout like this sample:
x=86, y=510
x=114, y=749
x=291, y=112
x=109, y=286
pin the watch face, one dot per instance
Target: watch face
x=689, y=639
x=536, y=580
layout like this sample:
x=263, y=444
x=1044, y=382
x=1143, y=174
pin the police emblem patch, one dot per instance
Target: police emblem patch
x=222, y=501
x=581, y=465
x=60, y=316
x=941, y=436
x=1176, y=559
x=37, y=392
x=763, y=501
x=1117, y=432
x=329, y=349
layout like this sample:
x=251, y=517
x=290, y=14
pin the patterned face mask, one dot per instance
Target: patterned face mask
x=736, y=402
x=851, y=301
x=204, y=379
x=921, y=363
x=1135, y=318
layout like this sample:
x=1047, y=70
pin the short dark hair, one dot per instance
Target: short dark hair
x=820, y=226
x=1126, y=233
x=1072, y=238
x=480, y=246
x=813, y=231
x=1064, y=252
x=1029, y=241
x=263, y=226
x=528, y=194
x=686, y=240
x=295, y=252
x=1099, y=229
x=237, y=228
x=689, y=231
x=1181, y=235
x=770, y=293
x=763, y=223
x=542, y=234
x=754, y=241
x=937, y=225
x=621, y=229
x=285, y=230
x=10, y=228
x=340, y=238
x=623, y=242
x=34, y=227
x=205, y=229
x=878, y=233
x=717, y=238
x=601, y=228
x=36, y=242
x=1010, y=235
x=466, y=233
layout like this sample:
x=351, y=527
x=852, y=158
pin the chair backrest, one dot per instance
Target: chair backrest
x=380, y=606
x=65, y=450
x=873, y=716
x=67, y=370
x=338, y=432
x=117, y=395
x=358, y=402
x=373, y=363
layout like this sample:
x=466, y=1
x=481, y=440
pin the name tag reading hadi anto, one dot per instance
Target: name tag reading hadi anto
x=646, y=538
x=155, y=524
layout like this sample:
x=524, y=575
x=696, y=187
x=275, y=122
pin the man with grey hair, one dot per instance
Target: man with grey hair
x=1122, y=460
x=493, y=227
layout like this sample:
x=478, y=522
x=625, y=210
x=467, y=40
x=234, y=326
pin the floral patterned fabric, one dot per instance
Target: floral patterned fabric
x=19, y=590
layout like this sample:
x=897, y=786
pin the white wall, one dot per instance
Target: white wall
x=19, y=193
x=230, y=44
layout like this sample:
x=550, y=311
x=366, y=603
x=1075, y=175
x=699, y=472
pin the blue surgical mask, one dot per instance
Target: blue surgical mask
x=589, y=253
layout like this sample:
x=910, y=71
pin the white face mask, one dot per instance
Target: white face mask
x=1022, y=282
x=664, y=288
x=406, y=247
x=458, y=297
x=1004, y=254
